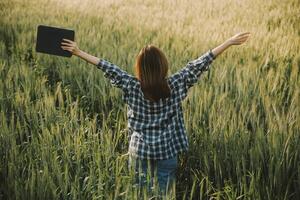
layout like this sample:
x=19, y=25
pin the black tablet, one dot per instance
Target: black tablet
x=49, y=40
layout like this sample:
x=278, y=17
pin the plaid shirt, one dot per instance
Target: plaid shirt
x=157, y=129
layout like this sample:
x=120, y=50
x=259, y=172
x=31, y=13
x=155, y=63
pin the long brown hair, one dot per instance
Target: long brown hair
x=151, y=68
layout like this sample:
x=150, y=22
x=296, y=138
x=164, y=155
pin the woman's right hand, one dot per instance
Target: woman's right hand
x=239, y=38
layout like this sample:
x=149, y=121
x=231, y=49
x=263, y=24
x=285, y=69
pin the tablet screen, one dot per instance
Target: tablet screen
x=49, y=40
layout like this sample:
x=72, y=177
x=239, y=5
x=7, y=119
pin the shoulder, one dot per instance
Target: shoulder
x=132, y=82
x=174, y=80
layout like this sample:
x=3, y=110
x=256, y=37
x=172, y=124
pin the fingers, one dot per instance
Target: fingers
x=67, y=40
x=67, y=48
x=245, y=33
x=242, y=40
x=244, y=36
x=241, y=36
x=68, y=45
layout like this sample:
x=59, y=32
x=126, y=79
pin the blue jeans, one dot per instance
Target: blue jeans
x=163, y=170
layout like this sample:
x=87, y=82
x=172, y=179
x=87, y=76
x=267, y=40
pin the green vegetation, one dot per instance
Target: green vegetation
x=63, y=127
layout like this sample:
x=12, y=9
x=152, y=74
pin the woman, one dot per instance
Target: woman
x=155, y=116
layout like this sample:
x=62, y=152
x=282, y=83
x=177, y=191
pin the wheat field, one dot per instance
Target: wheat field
x=63, y=126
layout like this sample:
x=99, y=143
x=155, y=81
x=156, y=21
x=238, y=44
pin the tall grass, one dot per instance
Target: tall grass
x=63, y=127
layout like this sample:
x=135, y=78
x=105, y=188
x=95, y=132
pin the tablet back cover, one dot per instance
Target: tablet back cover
x=49, y=40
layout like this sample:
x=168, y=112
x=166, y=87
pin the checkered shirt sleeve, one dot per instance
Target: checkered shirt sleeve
x=190, y=74
x=118, y=77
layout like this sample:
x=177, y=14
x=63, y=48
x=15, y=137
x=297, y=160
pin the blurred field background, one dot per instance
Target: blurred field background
x=63, y=127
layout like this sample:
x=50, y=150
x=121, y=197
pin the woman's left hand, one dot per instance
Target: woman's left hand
x=70, y=46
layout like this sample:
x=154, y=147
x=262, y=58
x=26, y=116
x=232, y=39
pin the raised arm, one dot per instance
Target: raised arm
x=189, y=75
x=72, y=47
x=234, y=40
x=118, y=77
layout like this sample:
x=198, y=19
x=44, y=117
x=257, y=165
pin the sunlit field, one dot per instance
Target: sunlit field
x=63, y=126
